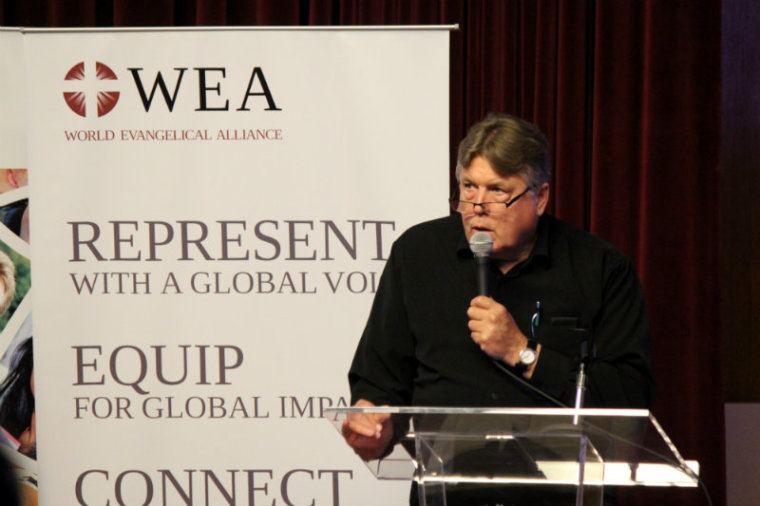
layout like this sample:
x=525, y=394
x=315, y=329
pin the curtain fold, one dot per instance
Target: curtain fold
x=654, y=188
x=628, y=94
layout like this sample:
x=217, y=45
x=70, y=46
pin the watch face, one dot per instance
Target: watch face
x=527, y=356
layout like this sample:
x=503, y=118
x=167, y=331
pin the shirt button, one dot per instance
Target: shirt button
x=494, y=396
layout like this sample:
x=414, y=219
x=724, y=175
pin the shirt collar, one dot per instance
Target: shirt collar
x=539, y=253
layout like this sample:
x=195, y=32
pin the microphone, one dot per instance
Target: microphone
x=481, y=245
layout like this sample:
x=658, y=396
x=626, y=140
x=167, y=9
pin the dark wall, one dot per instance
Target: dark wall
x=740, y=207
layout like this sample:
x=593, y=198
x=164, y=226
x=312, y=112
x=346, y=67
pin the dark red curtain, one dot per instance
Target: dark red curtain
x=628, y=93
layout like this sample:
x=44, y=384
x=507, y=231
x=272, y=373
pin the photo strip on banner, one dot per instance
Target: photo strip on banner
x=18, y=440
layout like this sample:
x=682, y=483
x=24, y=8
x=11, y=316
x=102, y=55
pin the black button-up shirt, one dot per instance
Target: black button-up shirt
x=416, y=348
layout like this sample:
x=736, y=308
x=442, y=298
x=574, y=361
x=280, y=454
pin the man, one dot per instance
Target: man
x=431, y=341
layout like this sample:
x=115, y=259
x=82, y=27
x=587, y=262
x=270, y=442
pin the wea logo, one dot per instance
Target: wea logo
x=92, y=90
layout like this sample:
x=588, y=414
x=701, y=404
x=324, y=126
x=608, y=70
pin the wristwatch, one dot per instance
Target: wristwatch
x=528, y=354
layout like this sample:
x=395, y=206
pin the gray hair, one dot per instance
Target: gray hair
x=511, y=145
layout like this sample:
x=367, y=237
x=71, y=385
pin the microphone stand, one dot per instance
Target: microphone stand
x=580, y=381
x=580, y=393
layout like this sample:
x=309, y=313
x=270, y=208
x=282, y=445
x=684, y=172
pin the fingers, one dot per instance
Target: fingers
x=492, y=328
x=364, y=424
x=367, y=448
x=486, y=316
x=369, y=434
x=486, y=309
x=483, y=302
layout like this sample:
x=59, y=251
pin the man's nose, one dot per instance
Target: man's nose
x=478, y=200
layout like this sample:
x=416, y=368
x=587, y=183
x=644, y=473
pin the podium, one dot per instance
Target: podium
x=463, y=456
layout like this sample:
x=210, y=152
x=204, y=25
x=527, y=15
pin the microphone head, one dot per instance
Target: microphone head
x=481, y=244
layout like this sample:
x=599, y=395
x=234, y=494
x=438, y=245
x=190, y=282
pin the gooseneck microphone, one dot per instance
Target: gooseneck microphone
x=481, y=245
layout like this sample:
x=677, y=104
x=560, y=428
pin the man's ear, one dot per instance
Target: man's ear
x=542, y=198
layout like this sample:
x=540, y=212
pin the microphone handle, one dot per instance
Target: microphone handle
x=482, y=267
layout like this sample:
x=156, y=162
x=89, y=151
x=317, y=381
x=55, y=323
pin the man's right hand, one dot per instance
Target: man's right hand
x=369, y=434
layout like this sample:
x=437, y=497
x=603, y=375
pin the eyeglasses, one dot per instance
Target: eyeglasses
x=464, y=207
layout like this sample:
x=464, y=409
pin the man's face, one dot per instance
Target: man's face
x=512, y=228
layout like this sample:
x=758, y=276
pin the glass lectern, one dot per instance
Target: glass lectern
x=567, y=454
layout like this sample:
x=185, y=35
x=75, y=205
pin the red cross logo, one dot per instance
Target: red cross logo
x=92, y=93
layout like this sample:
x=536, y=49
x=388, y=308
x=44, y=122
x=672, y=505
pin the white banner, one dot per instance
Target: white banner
x=212, y=212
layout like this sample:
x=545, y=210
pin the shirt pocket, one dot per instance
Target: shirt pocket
x=563, y=334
